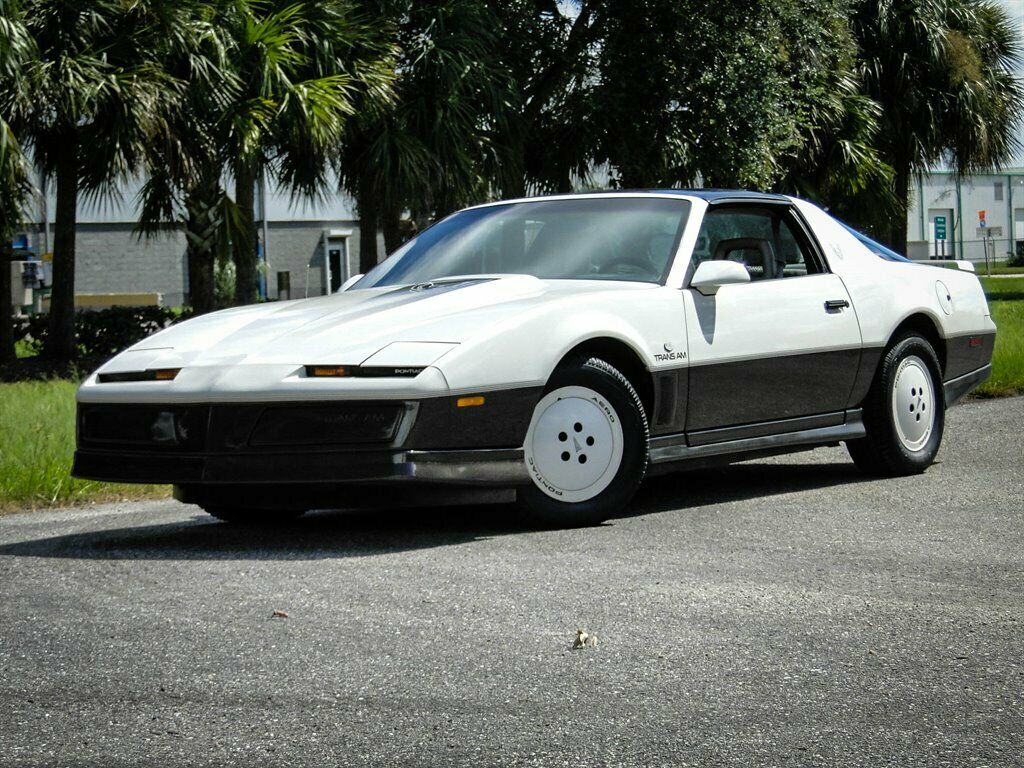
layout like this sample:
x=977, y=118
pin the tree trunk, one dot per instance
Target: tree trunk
x=201, y=231
x=564, y=182
x=367, y=205
x=898, y=230
x=244, y=252
x=60, y=332
x=392, y=226
x=6, y=308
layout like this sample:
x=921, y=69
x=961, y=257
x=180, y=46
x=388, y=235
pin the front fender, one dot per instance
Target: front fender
x=524, y=350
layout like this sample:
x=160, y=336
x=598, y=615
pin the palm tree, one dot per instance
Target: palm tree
x=15, y=187
x=96, y=95
x=303, y=70
x=836, y=162
x=269, y=89
x=942, y=71
x=428, y=150
x=549, y=50
x=184, y=166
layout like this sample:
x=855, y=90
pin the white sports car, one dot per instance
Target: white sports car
x=560, y=346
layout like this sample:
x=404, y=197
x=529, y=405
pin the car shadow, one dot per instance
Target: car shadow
x=366, y=532
x=737, y=482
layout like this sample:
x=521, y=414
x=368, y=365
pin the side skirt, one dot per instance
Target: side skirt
x=672, y=448
x=956, y=388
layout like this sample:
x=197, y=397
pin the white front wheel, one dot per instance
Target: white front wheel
x=573, y=447
x=586, y=446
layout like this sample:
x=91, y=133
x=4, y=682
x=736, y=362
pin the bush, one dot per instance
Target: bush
x=104, y=332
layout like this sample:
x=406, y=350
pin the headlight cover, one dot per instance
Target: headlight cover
x=399, y=359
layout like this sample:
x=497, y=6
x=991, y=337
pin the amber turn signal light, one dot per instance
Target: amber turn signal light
x=326, y=371
x=467, y=402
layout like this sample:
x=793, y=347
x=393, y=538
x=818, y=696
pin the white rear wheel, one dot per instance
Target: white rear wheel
x=913, y=403
x=904, y=411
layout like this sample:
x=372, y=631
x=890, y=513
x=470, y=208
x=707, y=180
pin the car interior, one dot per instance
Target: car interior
x=762, y=241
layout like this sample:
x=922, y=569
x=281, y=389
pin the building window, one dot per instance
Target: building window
x=998, y=189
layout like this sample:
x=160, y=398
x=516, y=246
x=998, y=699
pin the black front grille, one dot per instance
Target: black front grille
x=326, y=424
x=232, y=428
x=156, y=427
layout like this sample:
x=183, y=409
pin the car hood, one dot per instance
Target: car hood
x=350, y=327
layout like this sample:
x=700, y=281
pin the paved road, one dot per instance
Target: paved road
x=785, y=612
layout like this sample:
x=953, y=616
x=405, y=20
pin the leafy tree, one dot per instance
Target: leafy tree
x=427, y=150
x=732, y=95
x=549, y=51
x=96, y=95
x=836, y=161
x=302, y=71
x=942, y=73
x=15, y=186
x=270, y=88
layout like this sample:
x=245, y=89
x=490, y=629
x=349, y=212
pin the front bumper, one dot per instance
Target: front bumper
x=484, y=466
x=260, y=444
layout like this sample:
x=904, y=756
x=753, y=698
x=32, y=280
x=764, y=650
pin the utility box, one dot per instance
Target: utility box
x=24, y=279
x=918, y=250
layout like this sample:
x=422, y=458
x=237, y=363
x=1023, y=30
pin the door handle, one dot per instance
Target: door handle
x=834, y=305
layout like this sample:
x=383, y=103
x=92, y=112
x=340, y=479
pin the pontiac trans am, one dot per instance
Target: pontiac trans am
x=559, y=347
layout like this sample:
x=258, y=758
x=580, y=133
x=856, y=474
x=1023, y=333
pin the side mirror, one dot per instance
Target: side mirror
x=348, y=283
x=712, y=275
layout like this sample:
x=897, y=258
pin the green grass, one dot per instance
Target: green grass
x=1006, y=300
x=37, y=441
x=1001, y=270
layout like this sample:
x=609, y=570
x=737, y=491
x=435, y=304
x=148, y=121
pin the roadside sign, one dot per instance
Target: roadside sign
x=989, y=232
x=48, y=256
x=940, y=227
x=981, y=219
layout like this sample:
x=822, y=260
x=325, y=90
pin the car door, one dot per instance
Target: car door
x=785, y=346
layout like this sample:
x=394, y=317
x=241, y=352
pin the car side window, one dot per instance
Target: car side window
x=762, y=240
x=795, y=259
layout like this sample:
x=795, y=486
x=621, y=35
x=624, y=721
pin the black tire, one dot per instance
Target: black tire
x=881, y=452
x=541, y=510
x=247, y=516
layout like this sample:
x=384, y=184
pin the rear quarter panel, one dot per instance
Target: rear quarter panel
x=885, y=293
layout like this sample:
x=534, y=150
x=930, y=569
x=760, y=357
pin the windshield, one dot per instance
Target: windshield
x=595, y=238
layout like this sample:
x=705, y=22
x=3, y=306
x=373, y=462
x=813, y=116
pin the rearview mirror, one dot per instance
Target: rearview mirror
x=348, y=283
x=712, y=275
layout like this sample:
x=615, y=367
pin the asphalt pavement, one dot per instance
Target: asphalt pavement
x=776, y=613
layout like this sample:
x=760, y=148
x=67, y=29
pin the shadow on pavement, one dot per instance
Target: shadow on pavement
x=737, y=482
x=360, y=533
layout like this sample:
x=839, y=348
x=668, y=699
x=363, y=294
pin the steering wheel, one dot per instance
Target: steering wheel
x=628, y=264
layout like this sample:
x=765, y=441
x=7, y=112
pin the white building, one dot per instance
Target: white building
x=979, y=212
x=315, y=244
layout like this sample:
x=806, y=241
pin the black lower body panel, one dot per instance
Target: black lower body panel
x=956, y=388
x=338, y=496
